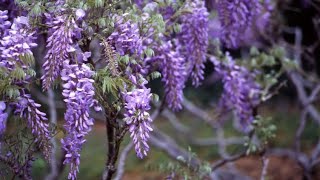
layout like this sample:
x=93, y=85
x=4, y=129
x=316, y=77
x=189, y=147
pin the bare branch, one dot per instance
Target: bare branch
x=122, y=161
x=199, y=113
x=315, y=159
x=302, y=124
x=214, y=141
x=175, y=122
x=265, y=163
x=227, y=160
x=304, y=100
x=165, y=143
x=53, y=118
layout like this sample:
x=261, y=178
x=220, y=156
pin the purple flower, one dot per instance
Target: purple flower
x=4, y=23
x=241, y=92
x=72, y=145
x=126, y=38
x=3, y=117
x=174, y=75
x=194, y=39
x=236, y=17
x=137, y=103
x=139, y=3
x=17, y=43
x=36, y=120
x=80, y=14
x=78, y=92
x=60, y=45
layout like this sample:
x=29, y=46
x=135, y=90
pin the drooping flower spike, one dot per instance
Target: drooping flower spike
x=194, y=39
x=241, y=92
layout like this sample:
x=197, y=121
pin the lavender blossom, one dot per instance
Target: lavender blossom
x=194, y=39
x=78, y=92
x=36, y=120
x=126, y=38
x=173, y=73
x=138, y=119
x=236, y=17
x=17, y=43
x=3, y=117
x=60, y=45
x=241, y=92
x=72, y=145
x=4, y=23
x=139, y=3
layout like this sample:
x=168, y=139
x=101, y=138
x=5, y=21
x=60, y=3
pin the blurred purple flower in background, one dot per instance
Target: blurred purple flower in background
x=241, y=92
x=194, y=39
x=173, y=75
x=235, y=17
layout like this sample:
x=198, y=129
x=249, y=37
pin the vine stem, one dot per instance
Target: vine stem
x=114, y=139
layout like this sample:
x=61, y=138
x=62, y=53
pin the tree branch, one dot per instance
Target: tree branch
x=122, y=161
x=53, y=118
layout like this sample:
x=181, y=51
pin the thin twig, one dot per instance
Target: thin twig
x=265, y=163
x=227, y=160
x=302, y=125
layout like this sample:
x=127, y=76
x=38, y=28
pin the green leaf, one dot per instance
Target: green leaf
x=155, y=75
x=36, y=10
x=155, y=97
x=102, y=22
x=18, y=74
x=177, y=28
x=125, y=59
x=149, y=52
x=99, y=3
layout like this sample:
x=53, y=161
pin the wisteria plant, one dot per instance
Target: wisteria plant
x=100, y=58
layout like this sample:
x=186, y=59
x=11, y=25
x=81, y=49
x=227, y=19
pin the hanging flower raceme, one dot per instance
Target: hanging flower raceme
x=126, y=38
x=78, y=92
x=173, y=73
x=27, y=108
x=236, y=17
x=241, y=92
x=4, y=23
x=137, y=103
x=15, y=46
x=194, y=39
x=3, y=117
x=59, y=46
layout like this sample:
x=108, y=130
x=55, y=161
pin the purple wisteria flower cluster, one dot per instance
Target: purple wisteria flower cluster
x=3, y=117
x=59, y=45
x=36, y=120
x=16, y=44
x=137, y=103
x=125, y=38
x=236, y=16
x=4, y=23
x=78, y=92
x=184, y=55
x=65, y=58
x=174, y=75
x=17, y=40
x=241, y=92
x=194, y=39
